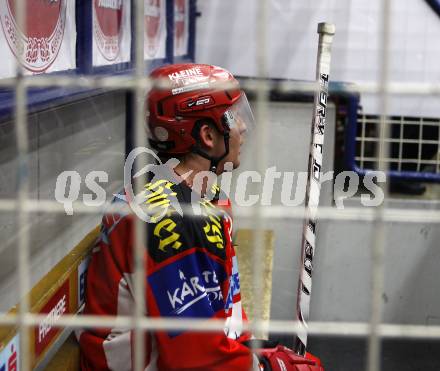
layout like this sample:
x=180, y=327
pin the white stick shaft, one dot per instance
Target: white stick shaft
x=313, y=190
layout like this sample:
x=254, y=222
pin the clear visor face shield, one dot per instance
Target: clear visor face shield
x=240, y=116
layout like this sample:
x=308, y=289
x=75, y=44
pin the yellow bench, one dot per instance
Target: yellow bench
x=245, y=251
x=60, y=292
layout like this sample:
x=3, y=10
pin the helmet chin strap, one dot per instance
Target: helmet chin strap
x=214, y=161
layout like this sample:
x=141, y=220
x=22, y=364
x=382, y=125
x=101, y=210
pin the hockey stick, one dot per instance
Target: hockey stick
x=326, y=32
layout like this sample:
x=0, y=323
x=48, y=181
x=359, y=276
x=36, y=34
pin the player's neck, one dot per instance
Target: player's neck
x=189, y=168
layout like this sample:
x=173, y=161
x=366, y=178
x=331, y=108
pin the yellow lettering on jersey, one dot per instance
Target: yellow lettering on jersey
x=158, y=198
x=214, y=235
x=213, y=227
x=172, y=239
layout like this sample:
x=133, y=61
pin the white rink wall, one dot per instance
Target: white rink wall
x=341, y=280
x=226, y=35
x=82, y=136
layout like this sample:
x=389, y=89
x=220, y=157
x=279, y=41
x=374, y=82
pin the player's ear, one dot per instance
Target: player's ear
x=207, y=136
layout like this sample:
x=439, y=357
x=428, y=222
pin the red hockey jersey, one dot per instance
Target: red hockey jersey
x=192, y=272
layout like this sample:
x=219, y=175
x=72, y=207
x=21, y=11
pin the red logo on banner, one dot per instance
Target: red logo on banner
x=12, y=360
x=45, y=22
x=57, y=305
x=108, y=27
x=153, y=20
x=179, y=22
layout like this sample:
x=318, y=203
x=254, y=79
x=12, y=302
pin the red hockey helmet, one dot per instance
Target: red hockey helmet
x=195, y=94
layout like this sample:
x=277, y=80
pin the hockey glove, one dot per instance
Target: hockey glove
x=281, y=358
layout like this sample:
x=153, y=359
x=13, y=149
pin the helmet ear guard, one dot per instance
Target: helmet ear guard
x=161, y=146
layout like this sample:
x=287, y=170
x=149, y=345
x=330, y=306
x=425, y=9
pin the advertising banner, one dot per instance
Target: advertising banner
x=181, y=27
x=56, y=306
x=155, y=29
x=49, y=41
x=9, y=356
x=111, y=31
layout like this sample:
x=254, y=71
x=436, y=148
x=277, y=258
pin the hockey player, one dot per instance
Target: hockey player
x=190, y=261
